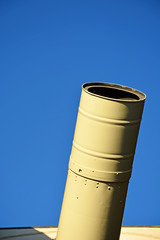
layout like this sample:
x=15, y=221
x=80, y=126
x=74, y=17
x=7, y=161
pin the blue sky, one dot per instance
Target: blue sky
x=48, y=50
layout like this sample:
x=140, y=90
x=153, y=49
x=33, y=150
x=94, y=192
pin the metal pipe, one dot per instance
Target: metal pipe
x=101, y=162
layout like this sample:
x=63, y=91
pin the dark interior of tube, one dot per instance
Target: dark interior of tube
x=113, y=93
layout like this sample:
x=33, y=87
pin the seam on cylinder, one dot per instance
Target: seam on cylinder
x=101, y=155
x=97, y=180
x=100, y=175
x=108, y=120
x=109, y=172
x=88, y=177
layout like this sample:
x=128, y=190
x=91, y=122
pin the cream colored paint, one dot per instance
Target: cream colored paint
x=100, y=163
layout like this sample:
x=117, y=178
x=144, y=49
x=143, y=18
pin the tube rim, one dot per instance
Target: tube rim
x=128, y=90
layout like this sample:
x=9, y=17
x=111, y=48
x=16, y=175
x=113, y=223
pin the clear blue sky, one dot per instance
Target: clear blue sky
x=48, y=49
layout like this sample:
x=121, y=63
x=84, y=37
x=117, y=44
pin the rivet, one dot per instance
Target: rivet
x=109, y=188
x=97, y=185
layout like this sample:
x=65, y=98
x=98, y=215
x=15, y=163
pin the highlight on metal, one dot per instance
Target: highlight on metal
x=101, y=161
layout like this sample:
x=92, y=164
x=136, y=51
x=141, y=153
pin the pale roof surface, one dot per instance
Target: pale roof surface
x=47, y=233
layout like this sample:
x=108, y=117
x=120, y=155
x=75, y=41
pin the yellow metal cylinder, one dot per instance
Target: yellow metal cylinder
x=101, y=162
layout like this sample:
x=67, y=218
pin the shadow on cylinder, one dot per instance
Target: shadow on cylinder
x=101, y=160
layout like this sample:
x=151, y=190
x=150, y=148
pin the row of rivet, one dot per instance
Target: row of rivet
x=97, y=184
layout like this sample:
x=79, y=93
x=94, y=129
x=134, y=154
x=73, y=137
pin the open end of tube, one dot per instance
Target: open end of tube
x=113, y=91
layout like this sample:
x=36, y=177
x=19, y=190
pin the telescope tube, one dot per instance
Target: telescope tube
x=101, y=160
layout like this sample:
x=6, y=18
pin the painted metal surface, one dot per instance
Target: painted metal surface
x=101, y=160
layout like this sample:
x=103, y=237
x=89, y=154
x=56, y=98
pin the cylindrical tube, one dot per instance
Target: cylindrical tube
x=101, y=162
